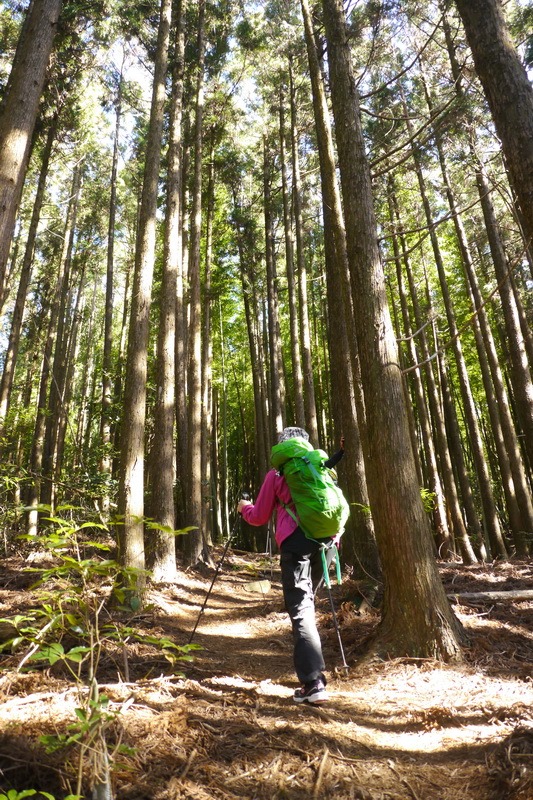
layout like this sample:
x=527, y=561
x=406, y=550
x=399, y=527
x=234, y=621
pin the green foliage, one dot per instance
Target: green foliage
x=71, y=602
x=428, y=499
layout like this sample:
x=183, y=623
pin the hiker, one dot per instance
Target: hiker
x=301, y=571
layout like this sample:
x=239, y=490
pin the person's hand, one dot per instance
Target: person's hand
x=241, y=504
x=342, y=442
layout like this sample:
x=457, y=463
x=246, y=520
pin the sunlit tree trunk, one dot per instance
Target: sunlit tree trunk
x=445, y=544
x=360, y=545
x=18, y=112
x=459, y=531
x=131, y=477
x=520, y=373
x=195, y=545
x=417, y=617
x=10, y=358
x=494, y=540
x=508, y=91
x=517, y=495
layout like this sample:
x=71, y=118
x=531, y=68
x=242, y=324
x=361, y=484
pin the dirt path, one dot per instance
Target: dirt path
x=228, y=729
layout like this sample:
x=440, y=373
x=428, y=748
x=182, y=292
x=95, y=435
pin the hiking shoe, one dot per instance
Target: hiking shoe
x=313, y=692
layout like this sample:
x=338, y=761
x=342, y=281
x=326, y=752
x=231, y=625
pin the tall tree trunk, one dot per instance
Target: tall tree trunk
x=517, y=495
x=59, y=364
x=195, y=545
x=460, y=533
x=519, y=368
x=56, y=293
x=10, y=358
x=361, y=550
x=208, y=435
x=261, y=438
x=175, y=242
x=18, y=113
x=445, y=545
x=277, y=415
x=492, y=527
x=311, y=423
x=297, y=377
x=107, y=356
x=417, y=617
x=508, y=91
x=162, y=549
x=131, y=477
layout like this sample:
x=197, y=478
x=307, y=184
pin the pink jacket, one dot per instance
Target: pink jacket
x=273, y=490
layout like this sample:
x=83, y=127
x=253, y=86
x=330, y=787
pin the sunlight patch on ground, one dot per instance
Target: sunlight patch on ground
x=496, y=625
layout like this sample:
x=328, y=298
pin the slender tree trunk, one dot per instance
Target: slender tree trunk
x=107, y=357
x=59, y=364
x=175, y=242
x=261, y=450
x=223, y=428
x=277, y=416
x=297, y=377
x=360, y=545
x=195, y=547
x=10, y=358
x=70, y=365
x=307, y=362
x=460, y=533
x=131, y=477
x=519, y=368
x=417, y=617
x=492, y=527
x=518, y=498
x=207, y=353
x=508, y=91
x=18, y=113
x=36, y=458
x=445, y=545
x=162, y=549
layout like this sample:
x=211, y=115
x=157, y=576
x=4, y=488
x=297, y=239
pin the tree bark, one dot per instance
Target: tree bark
x=520, y=373
x=10, y=358
x=508, y=91
x=277, y=416
x=311, y=423
x=107, y=356
x=131, y=477
x=417, y=617
x=19, y=110
x=297, y=378
x=194, y=545
x=162, y=549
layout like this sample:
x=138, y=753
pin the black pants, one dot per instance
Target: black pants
x=301, y=570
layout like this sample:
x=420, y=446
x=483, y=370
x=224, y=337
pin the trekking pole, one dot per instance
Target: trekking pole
x=219, y=565
x=327, y=581
x=268, y=550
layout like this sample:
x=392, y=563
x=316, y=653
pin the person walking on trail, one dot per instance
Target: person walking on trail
x=301, y=571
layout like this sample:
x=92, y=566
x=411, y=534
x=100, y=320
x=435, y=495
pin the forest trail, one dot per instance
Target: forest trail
x=227, y=728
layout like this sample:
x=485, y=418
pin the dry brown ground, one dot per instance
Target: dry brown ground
x=404, y=730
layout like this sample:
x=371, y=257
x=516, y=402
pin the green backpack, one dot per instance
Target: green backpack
x=320, y=505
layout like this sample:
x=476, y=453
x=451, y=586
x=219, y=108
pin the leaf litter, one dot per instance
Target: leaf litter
x=225, y=727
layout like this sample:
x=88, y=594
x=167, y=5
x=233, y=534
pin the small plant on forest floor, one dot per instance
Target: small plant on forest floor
x=13, y=794
x=67, y=628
